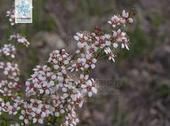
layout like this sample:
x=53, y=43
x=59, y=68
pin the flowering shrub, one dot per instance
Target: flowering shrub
x=57, y=89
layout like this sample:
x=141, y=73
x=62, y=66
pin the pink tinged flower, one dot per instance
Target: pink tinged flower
x=89, y=88
x=115, y=20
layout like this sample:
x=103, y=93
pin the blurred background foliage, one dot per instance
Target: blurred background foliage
x=139, y=93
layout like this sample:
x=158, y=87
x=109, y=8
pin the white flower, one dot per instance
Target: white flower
x=125, y=14
x=130, y=20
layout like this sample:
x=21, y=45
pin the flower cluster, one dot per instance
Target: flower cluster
x=60, y=59
x=71, y=119
x=35, y=111
x=11, y=15
x=120, y=38
x=87, y=85
x=9, y=86
x=11, y=97
x=59, y=87
x=8, y=50
x=10, y=107
x=118, y=20
x=10, y=70
x=42, y=81
x=19, y=39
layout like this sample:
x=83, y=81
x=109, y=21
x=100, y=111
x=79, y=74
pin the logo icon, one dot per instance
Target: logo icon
x=23, y=11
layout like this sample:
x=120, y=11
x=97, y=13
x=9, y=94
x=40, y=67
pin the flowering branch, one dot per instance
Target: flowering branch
x=58, y=88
